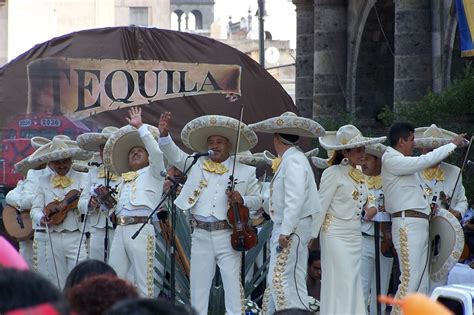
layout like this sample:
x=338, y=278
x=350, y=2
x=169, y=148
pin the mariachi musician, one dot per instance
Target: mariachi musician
x=205, y=195
x=55, y=206
x=439, y=185
x=100, y=227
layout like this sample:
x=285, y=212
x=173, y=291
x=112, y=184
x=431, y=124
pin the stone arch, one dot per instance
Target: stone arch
x=198, y=18
x=371, y=61
x=177, y=21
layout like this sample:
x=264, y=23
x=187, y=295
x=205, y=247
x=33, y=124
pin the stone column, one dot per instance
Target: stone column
x=304, y=57
x=413, y=75
x=330, y=58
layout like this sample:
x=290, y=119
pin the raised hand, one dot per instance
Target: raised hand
x=460, y=141
x=164, y=124
x=135, y=119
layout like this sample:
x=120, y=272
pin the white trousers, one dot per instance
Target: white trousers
x=286, y=279
x=26, y=251
x=410, y=238
x=97, y=243
x=367, y=269
x=207, y=250
x=56, y=263
x=132, y=259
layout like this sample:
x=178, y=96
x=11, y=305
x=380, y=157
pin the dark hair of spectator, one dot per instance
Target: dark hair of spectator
x=313, y=256
x=23, y=288
x=400, y=130
x=85, y=269
x=149, y=307
x=96, y=294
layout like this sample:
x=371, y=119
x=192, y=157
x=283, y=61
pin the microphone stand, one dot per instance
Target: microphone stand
x=172, y=194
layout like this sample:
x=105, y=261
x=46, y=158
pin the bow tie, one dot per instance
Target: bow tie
x=61, y=181
x=435, y=173
x=102, y=174
x=214, y=167
x=356, y=175
x=276, y=164
x=129, y=176
x=374, y=182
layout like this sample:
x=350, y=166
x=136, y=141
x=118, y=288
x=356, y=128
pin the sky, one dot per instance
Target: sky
x=280, y=22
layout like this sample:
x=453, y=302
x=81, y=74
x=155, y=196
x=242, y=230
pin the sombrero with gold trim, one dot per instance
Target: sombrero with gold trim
x=347, y=137
x=120, y=143
x=59, y=148
x=91, y=141
x=196, y=132
x=432, y=137
x=291, y=124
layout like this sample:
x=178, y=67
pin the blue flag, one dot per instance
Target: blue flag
x=465, y=13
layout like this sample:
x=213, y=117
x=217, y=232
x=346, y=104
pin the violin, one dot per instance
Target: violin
x=57, y=210
x=106, y=196
x=243, y=235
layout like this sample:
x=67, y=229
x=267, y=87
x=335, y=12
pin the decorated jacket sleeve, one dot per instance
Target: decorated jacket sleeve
x=38, y=205
x=155, y=156
x=327, y=190
x=294, y=186
x=406, y=165
x=173, y=153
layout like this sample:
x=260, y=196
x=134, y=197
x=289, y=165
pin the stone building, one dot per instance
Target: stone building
x=357, y=56
x=201, y=12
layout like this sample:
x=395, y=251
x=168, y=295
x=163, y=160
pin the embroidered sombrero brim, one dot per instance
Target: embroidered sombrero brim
x=59, y=150
x=197, y=131
x=120, y=143
x=289, y=123
x=37, y=142
x=91, y=141
x=377, y=149
x=312, y=153
x=424, y=142
x=329, y=141
x=320, y=162
x=255, y=159
x=80, y=166
x=25, y=165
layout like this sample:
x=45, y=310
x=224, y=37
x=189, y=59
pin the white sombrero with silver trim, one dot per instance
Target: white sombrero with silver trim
x=291, y=124
x=120, y=143
x=59, y=148
x=376, y=150
x=347, y=137
x=196, y=132
x=91, y=141
x=432, y=137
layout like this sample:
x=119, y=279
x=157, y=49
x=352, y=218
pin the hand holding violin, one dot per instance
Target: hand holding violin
x=235, y=197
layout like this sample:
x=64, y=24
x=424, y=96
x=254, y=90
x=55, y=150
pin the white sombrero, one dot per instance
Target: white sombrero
x=377, y=149
x=320, y=163
x=59, y=148
x=37, y=142
x=197, y=131
x=91, y=141
x=119, y=145
x=265, y=158
x=432, y=137
x=289, y=123
x=347, y=137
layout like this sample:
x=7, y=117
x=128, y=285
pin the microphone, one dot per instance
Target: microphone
x=96, y=164
x=197, y=155
x=470, y=163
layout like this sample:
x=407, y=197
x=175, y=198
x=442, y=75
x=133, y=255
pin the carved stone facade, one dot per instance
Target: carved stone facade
x=358, y=56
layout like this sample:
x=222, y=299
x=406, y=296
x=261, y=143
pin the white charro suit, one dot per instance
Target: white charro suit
x=433, y=187
x=65, y=236
x=342, y=202
x=404, y=191
x=138, y=198
x=211, y=247
x=40, y=242
x=13, y=198
x=96, y=220
x=293, y=203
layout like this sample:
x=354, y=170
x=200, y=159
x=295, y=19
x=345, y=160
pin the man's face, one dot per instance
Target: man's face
x=61, y=167
x=371, y=166
x=221, y=147
x=314, y=270
x=137, y=158
x=406, y=146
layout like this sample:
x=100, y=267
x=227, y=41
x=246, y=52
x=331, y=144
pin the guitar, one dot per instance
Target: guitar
x=58, y=209
x=17, y=223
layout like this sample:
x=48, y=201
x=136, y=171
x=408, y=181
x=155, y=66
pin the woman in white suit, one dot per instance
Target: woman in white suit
x=344, y=201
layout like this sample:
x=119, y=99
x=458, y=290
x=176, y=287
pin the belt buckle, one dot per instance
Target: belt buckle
x=125, y=220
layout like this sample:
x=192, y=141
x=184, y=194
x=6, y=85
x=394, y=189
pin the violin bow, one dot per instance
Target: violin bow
x=461, y=170
x=237, y=146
